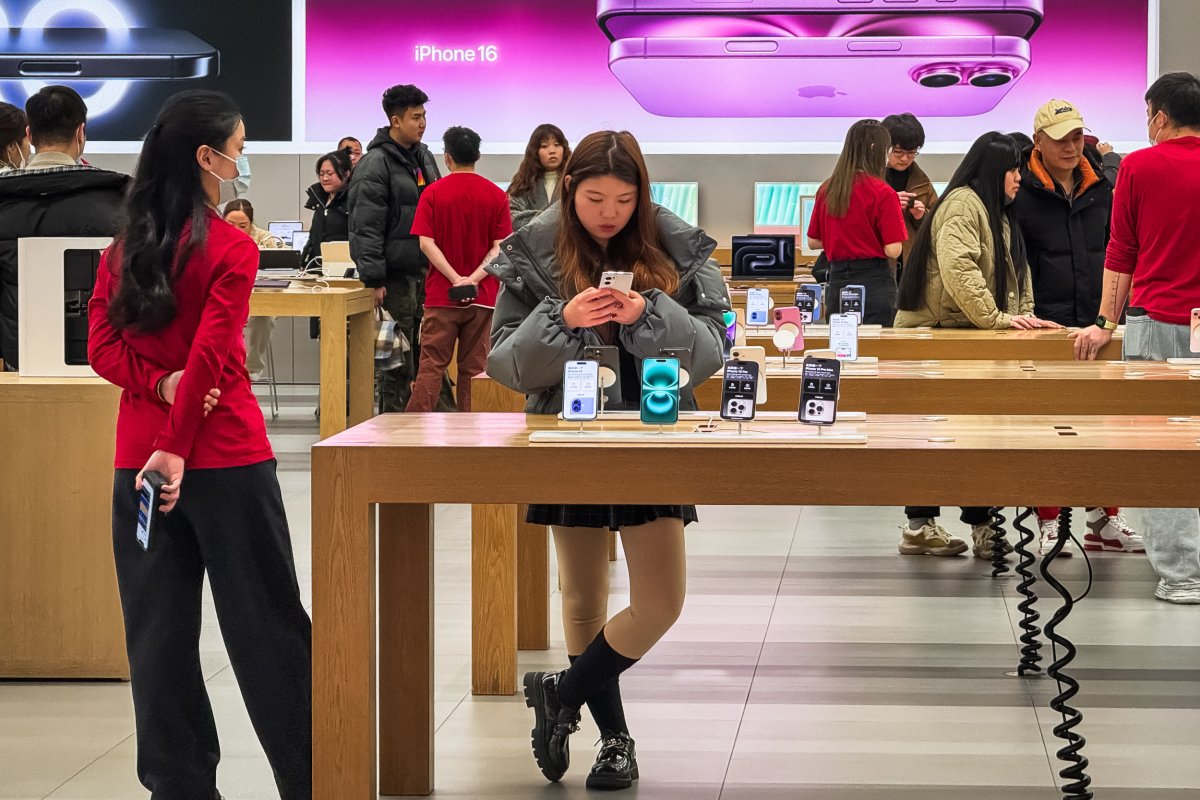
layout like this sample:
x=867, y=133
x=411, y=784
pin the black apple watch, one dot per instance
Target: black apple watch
x=1103, y=322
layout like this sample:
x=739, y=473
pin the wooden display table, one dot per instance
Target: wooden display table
x=946, y=344
x=60, y=614
x=335, y=306
x=958, y=387
x=398, y=462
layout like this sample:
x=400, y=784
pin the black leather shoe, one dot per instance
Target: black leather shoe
x=616, y=765
x=553, y=723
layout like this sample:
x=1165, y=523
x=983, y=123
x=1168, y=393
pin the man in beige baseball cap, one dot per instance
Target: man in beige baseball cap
x=1058, y=138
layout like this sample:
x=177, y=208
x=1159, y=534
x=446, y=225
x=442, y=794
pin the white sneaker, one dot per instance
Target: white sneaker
x=981, y=537
x=1112, y=534
x=1049, y=531
x=930, y=540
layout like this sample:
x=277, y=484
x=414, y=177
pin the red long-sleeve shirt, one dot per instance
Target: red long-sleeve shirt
x=1156, y=231
x=212, y=295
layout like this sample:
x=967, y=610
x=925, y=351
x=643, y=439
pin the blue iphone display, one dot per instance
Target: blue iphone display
x=660, y=391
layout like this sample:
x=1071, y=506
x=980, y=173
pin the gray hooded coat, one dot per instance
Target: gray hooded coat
x=531, y=343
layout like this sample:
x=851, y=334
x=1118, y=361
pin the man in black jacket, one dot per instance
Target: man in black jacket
x=384, y=190
x=1064, y=208
x=54, y=195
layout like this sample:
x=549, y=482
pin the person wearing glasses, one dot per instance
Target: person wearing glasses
x=912, y=185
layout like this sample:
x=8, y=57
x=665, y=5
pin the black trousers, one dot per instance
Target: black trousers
x=876, y=277
x=231, y=524
x=971, y=515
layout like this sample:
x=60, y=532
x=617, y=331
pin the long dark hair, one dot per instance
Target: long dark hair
x=12, y=130
x=166, y=194
x=531, y=170
x=636, y=247
x=865, y=152
x=983, y=171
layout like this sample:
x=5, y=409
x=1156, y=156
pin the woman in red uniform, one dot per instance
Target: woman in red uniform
x=172, y=295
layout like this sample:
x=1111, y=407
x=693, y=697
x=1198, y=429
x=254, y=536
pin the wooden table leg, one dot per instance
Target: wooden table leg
x=343, y=697
x=494, y=599
x=533, y=585
x=362, y=367
x=406, y=716
x=333, y=373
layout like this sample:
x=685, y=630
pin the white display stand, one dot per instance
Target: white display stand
x=703, y=416
x=864, y=331
x=40, y=305
x=800, y=436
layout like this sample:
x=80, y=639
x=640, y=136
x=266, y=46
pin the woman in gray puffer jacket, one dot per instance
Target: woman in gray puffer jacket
x=548, y=312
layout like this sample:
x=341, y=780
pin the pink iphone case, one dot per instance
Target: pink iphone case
x=621, y=19
x=827, y=77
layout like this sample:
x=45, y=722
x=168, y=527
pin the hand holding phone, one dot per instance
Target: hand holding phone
x=1195, y=337
x=589, y=308
x=149, y=514
x=905, y=198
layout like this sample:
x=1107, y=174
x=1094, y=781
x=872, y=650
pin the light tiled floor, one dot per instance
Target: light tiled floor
x=811, y=662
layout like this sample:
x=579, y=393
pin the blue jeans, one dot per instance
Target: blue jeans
x=1172, y=535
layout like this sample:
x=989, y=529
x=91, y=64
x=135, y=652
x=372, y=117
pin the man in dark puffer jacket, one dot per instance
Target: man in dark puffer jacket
x=384, y=189
x=54, y=195
x=1064, y=207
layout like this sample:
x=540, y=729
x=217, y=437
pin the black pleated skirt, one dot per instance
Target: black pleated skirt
x=611, y=517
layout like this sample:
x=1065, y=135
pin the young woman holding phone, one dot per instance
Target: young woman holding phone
x=166, y=317
x=549, y=311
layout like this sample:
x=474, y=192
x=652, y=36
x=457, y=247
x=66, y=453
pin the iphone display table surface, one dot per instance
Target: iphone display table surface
x=396, y=465
x=970, y=344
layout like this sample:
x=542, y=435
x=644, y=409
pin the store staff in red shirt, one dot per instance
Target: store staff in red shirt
x=172, y=295
x=1154, y=250
x=858, y=222
x=460, y=222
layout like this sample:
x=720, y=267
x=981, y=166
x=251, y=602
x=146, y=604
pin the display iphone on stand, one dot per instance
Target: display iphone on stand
x=853, y=300
x=610, y=371
x=739, y=391
x=758, y=307
x=581, y=390
x=806, y=304
x=789, y=329
x=660, y=391
x=820, y=385
x=759, y=356
x=843, y=336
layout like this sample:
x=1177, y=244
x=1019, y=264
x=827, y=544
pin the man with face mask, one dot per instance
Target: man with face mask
x=382, y=201
x=54, y=195
x=1153, y=251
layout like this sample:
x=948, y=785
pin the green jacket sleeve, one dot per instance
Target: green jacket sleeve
x=530, y=345
x=959, y=253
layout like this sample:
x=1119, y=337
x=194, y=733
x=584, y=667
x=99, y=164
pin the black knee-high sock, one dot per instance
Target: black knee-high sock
x=607, y=709
x=597, y=667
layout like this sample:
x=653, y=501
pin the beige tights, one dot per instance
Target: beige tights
x=657, y=564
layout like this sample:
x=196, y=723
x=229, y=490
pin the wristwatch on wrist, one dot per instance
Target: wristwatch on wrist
x=1108, y=325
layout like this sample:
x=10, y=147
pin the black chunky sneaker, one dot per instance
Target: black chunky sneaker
x=616, y=765
x=553, y=723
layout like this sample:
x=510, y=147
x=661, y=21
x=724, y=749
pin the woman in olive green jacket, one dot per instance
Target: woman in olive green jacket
x=967, y=268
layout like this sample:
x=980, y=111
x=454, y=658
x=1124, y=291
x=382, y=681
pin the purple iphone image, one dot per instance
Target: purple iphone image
x=623, y=19
x=853, y=76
